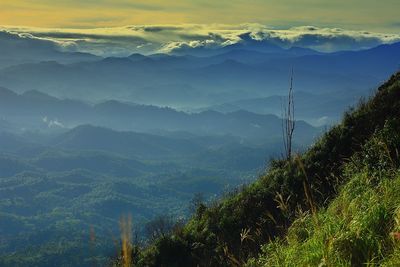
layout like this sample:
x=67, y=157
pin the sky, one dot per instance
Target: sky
x=372, y=15
x=120, y=27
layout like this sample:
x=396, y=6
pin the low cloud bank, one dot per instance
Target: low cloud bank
x=150, y=39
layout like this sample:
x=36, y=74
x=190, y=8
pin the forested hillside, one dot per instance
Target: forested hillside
x=336, y=204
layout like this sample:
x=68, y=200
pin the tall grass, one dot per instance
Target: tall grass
x=360, y=227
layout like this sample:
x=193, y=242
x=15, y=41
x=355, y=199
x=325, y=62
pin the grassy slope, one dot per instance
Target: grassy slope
x=361, y=225
x=229, y=232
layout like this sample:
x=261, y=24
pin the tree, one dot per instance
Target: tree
x=160, y=226
x=288, y=122
x=197, y=205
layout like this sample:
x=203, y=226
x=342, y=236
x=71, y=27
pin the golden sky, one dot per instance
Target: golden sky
x=353, y=14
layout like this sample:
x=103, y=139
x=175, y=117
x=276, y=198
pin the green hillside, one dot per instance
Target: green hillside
x=336, y=204
x=360, y=226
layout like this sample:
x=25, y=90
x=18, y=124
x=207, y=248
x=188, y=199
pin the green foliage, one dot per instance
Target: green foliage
x=358, y=226
x=172, y=250
x=231, y=231
x=50, y=200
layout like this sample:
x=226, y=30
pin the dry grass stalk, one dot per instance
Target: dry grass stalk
x=126, y=239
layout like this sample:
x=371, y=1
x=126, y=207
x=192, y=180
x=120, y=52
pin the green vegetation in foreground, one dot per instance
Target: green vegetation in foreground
x=358, y=158
x=361, y=226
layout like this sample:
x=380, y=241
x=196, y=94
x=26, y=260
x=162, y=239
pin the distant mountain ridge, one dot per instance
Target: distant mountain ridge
x=86, y=137
x=318, y=109
x=16, y=49
x=233, y=73
x=38, y=108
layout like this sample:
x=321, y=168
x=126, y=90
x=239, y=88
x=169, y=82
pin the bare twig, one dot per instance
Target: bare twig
x=288, y=121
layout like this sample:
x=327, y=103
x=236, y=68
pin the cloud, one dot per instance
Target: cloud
x=148, y=39
x=156, y=28
x=367, y=14
x=394, y=25
x=14, y=45
x=333, y=39
x=52, y=123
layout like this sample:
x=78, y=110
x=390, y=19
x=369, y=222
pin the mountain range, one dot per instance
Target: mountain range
x=38, y=111
x=189, y=79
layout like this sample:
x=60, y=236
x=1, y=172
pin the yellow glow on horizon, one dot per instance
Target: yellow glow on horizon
x=361, y=14
x=39, y=15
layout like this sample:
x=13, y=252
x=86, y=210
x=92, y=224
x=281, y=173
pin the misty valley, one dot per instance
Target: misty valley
x=68, y=167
